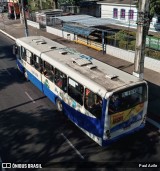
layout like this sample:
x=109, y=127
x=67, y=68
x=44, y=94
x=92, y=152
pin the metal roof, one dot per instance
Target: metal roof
x=121, y=2
x=77, y=29
x=71, y=18
x=87, y=20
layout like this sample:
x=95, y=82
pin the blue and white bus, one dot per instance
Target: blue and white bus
x=104, y=102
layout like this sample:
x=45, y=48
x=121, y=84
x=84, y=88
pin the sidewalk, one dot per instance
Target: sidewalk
x=15, y=29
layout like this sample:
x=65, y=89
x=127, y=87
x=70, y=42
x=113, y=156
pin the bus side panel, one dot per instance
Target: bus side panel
x=20, y=66
x=49, y=93
x=92, y=125
x=35, y=81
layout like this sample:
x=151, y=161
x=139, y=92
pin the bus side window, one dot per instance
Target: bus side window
x=36, y=62
x=15, y=49
x=49, y=71
x=61, y=80
x=93, y=103
x=75, y=90
x=29, y=56
x=23, y=53
x=18, y=52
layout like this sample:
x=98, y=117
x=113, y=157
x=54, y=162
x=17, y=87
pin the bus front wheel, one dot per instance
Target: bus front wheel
x=59, y=105
x=26, y=75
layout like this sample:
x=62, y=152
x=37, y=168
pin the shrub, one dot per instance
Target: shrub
x=131, y=45
x=123, y=44
x=152, y=53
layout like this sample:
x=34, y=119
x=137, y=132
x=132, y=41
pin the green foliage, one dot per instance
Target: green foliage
x=69, y=2
x=120, y=35
x=154, y=7
x=152, y=53
x=120, y=40
x=123, y=44
x=36, y=5
x=131, y=45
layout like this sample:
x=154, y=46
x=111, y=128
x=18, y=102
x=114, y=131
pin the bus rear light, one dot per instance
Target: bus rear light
x=108, y=134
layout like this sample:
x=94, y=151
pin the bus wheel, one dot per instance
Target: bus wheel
x=59, y=105
x=26, y=75
x=18, y=67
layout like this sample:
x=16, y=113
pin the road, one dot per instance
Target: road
x=33, y=131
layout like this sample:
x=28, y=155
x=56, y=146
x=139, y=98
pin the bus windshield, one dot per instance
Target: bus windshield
x=127, y=98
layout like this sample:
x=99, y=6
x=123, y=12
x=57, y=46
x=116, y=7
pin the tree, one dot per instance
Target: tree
x=69, y=2
x=154, y=7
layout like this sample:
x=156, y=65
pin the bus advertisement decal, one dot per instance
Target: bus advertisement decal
x=121, y=119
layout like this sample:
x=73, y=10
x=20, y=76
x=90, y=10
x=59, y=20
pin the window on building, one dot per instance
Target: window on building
x=75, y=90
x=123, y=13
x=131, y=15
x=93, y=103
x=115, y=13
x=61, y=80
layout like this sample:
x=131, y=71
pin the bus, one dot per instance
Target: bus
x=104, y=102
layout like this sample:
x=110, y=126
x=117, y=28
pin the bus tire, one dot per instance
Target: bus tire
x=26, y=75
x=18, y=67
x=59, y=105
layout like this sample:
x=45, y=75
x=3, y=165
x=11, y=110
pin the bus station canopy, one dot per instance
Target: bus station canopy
x=77, y=29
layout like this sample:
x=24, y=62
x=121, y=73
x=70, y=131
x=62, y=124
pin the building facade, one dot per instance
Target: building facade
x=124, y=11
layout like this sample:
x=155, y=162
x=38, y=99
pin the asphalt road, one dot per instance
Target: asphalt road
x=33, y=131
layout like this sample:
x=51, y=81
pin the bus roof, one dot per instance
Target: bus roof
x=94, y=74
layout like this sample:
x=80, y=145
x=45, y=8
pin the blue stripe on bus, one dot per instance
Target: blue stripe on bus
x=20, y=66
x=108, y=142
x=92, y=125
x=35, y=81
x=49, y=93
x=127, y=123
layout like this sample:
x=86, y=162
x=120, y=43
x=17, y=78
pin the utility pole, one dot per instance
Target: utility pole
x=24, y=18
x=142, y=31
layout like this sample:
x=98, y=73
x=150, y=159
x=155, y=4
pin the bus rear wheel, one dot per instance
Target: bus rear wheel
x=59, y=105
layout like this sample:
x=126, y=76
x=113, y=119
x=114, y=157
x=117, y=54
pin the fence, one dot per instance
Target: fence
x=153, y=43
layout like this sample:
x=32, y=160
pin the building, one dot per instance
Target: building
x=124, y=11
x=90, y=8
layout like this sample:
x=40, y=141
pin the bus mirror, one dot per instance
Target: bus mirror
x=15, y=49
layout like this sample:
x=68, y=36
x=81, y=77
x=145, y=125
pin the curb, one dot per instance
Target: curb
x=7, y=34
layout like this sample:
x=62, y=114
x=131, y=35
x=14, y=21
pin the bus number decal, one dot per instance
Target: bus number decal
x=128, y=93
